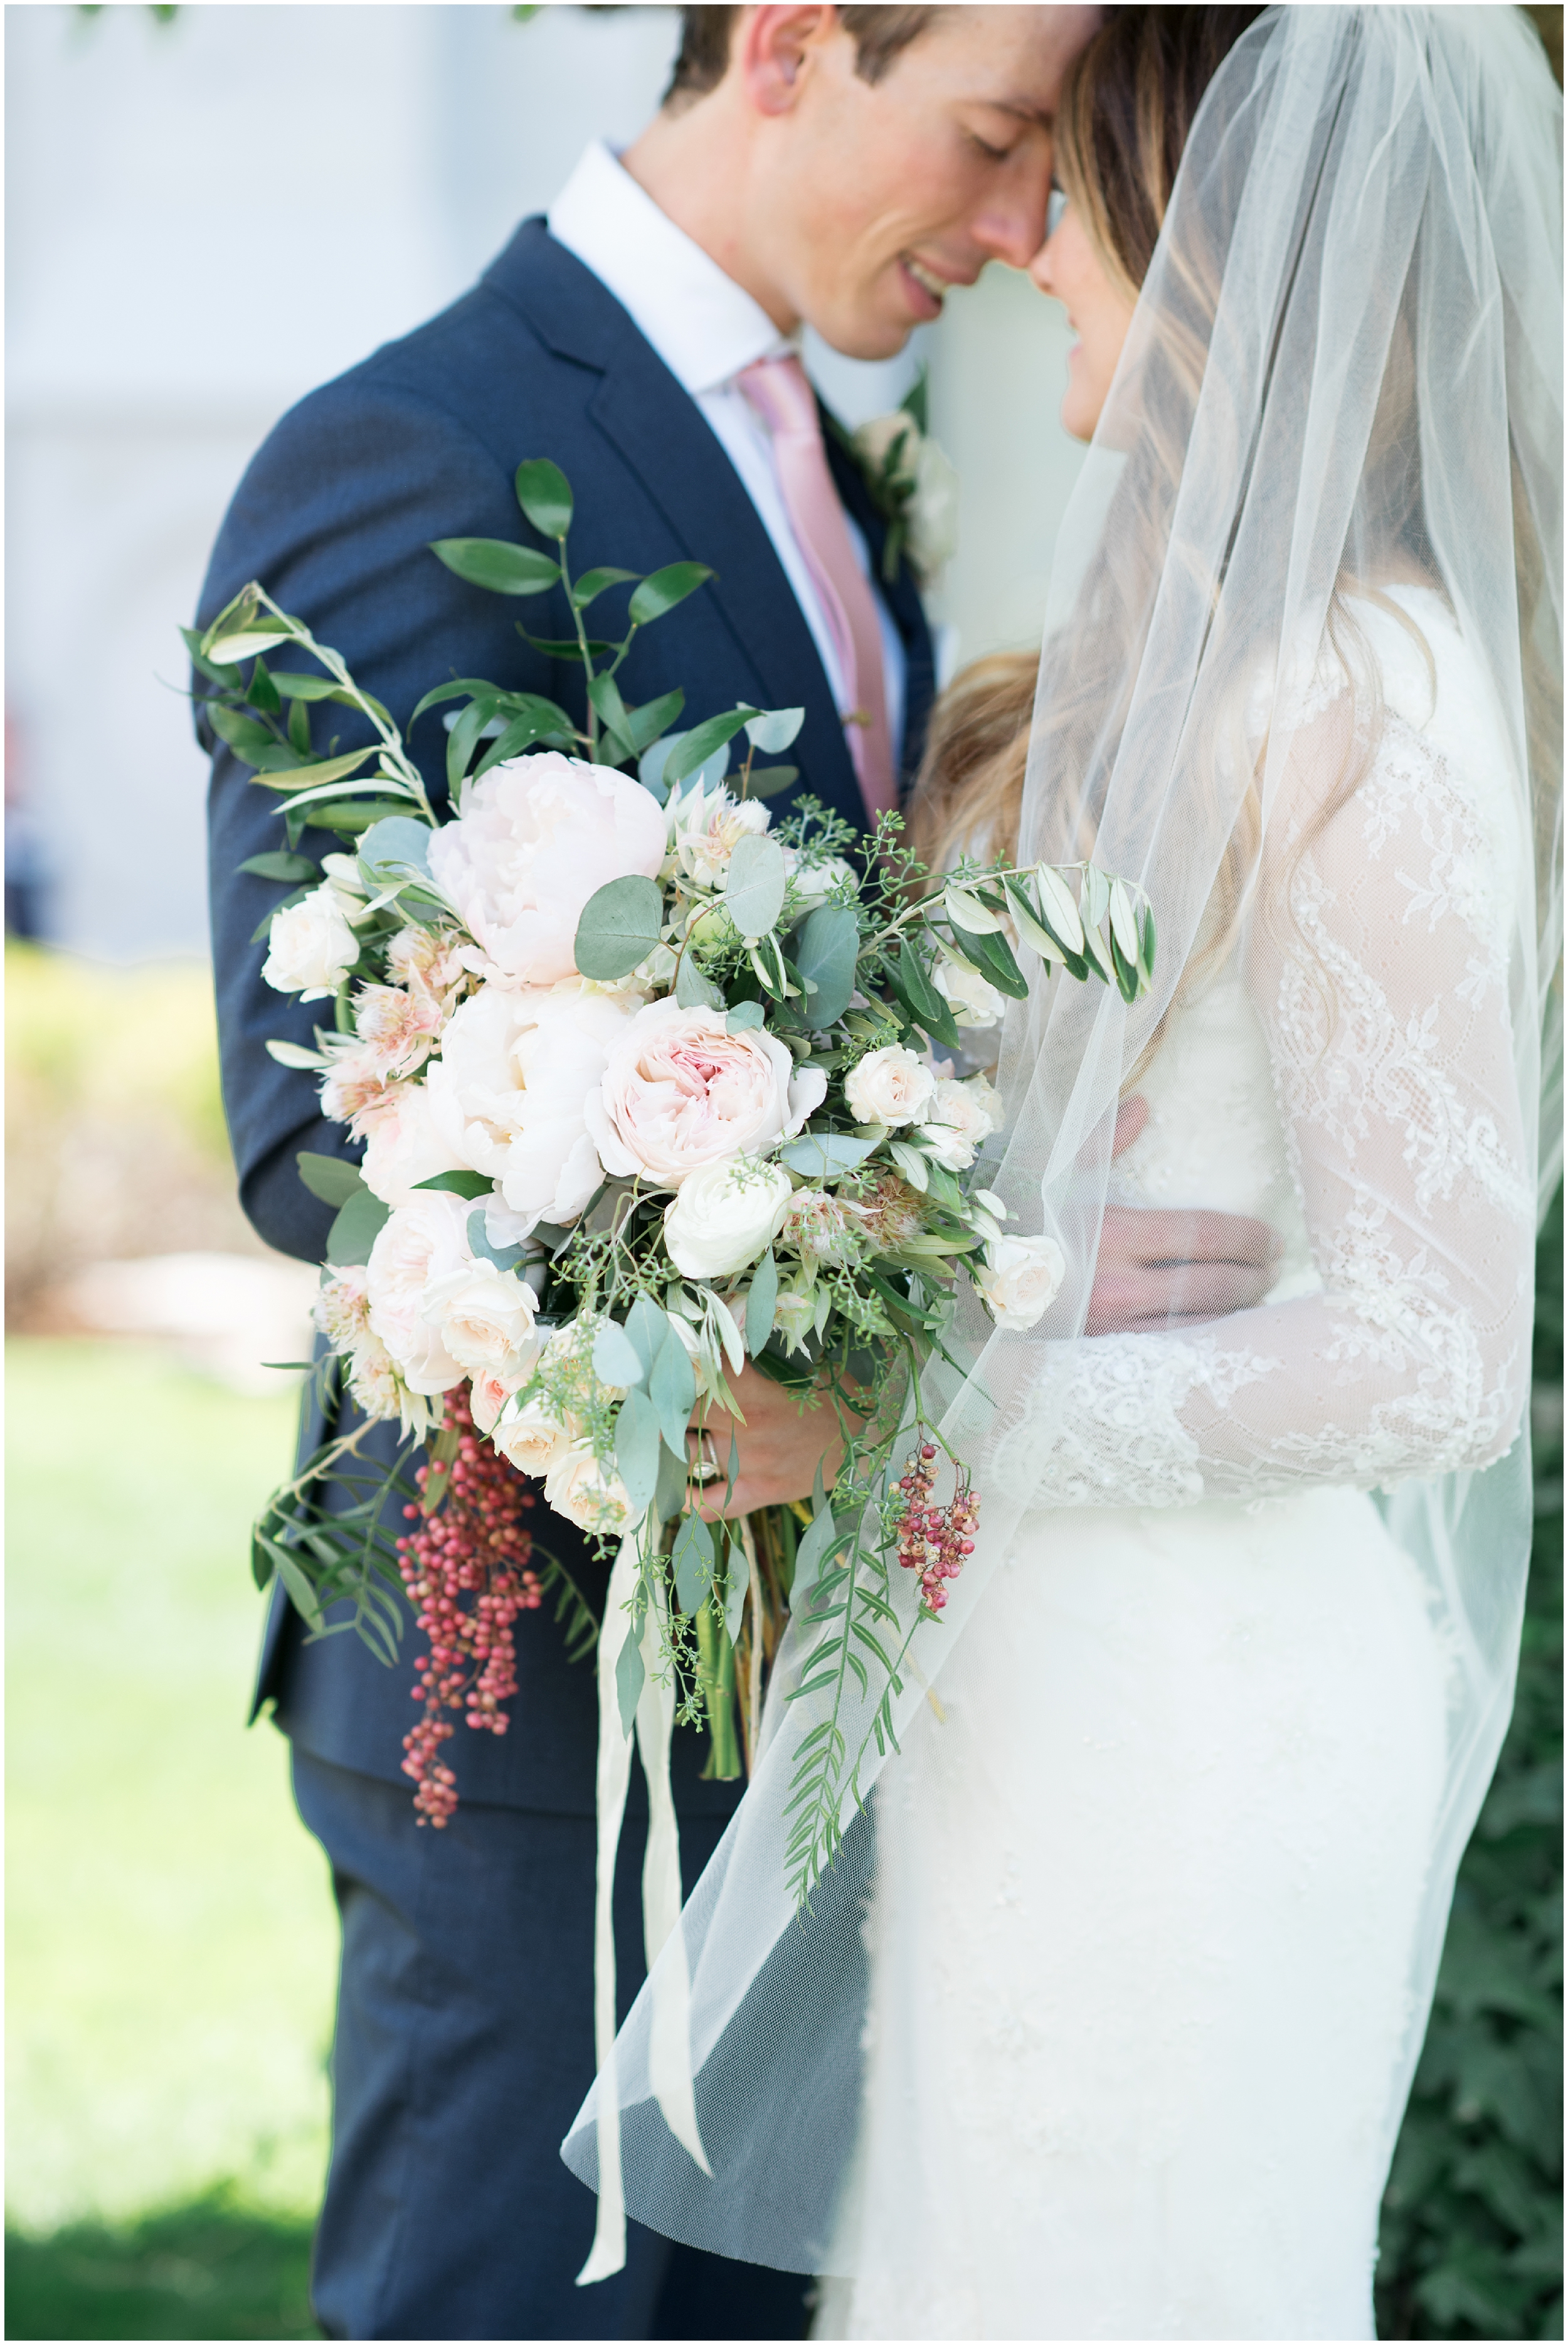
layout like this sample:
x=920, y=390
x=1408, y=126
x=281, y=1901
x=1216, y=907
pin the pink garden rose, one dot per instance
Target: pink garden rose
x=681, y=1091
x=537, y=836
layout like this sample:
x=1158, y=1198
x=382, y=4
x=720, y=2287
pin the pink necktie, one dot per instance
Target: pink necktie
x=779, y=390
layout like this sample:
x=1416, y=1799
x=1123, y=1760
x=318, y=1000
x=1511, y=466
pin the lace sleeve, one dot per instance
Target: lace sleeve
x=1381, y=982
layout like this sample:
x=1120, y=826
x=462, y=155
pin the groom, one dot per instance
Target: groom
x=838, y=168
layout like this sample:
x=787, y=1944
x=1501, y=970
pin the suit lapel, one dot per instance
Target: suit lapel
x=661, y=435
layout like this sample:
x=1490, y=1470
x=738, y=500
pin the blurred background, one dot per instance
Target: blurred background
x=211, y=210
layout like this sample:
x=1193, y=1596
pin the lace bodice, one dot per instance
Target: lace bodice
x=1348, y=1078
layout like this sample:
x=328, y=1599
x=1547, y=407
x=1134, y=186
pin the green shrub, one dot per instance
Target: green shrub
x=1471, y=2232
x=214, y=2268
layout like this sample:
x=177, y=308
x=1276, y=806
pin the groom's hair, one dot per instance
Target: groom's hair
x=879, y=34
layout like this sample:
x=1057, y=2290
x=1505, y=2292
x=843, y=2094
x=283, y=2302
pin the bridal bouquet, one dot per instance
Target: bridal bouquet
x=649, y=1086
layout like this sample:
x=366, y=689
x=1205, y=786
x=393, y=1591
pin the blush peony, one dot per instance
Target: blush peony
x=484, y=1316
x=406, y=1143
x=537, y=836
x=681, y=1091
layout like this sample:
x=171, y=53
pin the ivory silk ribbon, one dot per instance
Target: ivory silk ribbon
x=669, y=2035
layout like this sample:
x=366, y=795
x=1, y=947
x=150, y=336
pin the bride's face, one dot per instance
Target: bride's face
x=1069, y=269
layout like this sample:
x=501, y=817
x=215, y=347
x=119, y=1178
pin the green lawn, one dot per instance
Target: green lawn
x=171, y=1933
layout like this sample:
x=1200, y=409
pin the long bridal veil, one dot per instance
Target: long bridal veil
x=1332, y=452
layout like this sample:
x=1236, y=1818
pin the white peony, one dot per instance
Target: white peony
x=960, y=1116
x=1020, y=1279
x=484, y=1316
x=534, y=1440
x=310, y=948
x=536, y=837
x=578, y=1487
x=889, y=1086
x=517, y=1068
x=724, y=1216
x=973, y=999
x=418, y=1242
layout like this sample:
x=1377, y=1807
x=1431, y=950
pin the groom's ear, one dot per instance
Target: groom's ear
x=775, y=49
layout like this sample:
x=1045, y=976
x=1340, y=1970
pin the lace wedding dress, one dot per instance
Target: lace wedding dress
x=1150, y=1863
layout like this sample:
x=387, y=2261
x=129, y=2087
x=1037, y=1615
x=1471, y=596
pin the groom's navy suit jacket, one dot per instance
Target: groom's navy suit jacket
x=334, y=518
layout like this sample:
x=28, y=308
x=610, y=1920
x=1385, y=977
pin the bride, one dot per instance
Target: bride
x=1103, y=2022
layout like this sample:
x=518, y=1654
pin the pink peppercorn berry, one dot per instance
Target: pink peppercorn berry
x=473, y=1548
x=933, y=1541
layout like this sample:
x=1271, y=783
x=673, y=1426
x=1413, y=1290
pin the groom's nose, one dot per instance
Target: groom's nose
x=1010, y=224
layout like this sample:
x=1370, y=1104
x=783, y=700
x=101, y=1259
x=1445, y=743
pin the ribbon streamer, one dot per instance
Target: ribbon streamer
x=670, y=2047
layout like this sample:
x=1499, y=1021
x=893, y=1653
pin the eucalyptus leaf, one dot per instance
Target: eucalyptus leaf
x=774, y=729
x=766, y=781
x=745, y=1018
x=479, y=1246
x=693, y=989
x=825, y=1155
x=648, y=1330
x=736, y=1586
x=673, y=1389
x=393, y=849
x=629, y=1674
x=496, y=565
x=692, y=1562
x=755, y=885
x=826, y=951
x=330, y=1178
x=619, y=928
x=665, y=588
x=637, y=1449
x=615, y=1358
x=651, y=764
x=546, y=495
x=762, y=1303
x=358, y=1224
x=670, y=1493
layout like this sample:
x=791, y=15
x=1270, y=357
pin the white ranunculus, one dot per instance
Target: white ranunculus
x=417, y=1244
x=724, y=1215
x=578, y=1487
x=960, y=1116
x=536, y=837
x=889, y=1086
x=534, y=1440
x=485, y=1316
x=310, y=948
x=408, y=1143
x=1020, y=1279
x=518, y=1065
x=815, y=881
x=973, y=999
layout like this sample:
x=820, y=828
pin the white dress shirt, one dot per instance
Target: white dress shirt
x=706, y=329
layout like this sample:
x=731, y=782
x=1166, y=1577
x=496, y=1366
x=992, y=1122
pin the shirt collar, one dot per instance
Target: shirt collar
x=703, y=325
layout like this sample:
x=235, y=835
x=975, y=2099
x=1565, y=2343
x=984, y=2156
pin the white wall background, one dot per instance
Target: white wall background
x=205, y=218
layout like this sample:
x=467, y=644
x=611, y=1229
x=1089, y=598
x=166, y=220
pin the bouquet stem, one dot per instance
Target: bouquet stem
x=716, y=1675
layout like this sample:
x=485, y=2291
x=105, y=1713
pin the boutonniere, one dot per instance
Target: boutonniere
x=913, y=485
